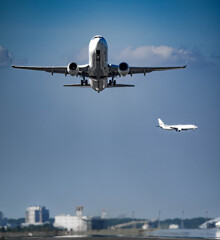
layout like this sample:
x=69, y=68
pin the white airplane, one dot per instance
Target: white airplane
x=218, y=224
x=178, y=128
x=98, y=70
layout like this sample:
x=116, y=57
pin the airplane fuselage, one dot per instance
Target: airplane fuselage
x=98, y=63
x=180, y=127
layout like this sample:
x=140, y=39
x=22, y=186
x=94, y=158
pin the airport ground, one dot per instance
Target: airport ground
x=98, y=238
x=123, y=234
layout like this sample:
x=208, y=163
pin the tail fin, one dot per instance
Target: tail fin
x=161, y=124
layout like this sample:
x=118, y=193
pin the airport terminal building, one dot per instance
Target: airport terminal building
x=78, y=223
x=36, y=215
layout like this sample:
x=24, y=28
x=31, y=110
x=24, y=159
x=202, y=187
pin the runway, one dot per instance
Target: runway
x=165, y=234
x=98, y=238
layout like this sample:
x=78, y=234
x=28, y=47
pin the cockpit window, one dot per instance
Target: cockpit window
x=97, y=36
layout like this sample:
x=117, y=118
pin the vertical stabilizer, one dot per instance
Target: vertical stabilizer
x=161, y=124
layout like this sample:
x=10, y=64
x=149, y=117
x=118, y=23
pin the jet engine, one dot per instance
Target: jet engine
x=123, y=69
x=72, y=69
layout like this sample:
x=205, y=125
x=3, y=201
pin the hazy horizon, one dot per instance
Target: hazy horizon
x=64, y=147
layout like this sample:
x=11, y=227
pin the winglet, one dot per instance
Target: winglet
x=184, y=66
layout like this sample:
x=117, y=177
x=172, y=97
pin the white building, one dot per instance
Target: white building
x=173, y=226
x=3, y=220
x=36, y=215
x=76, y=223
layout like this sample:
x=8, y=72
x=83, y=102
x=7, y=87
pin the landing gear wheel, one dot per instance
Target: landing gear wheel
x=81, y=82
x=114, y=82
x=86, y=82
x=110, y=82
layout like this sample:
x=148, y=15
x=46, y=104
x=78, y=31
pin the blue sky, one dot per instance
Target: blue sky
x=63, y=147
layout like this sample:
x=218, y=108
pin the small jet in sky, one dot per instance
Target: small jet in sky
x=98, y=70
x=178, y=127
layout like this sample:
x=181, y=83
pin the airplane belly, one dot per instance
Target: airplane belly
x=98, y=84
x=98, y=69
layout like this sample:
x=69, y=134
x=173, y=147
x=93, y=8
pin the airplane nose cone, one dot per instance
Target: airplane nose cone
x=97, y=43
x=101, y=42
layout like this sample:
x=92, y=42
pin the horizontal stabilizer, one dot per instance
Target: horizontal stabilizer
x=77, y=85
x=120, y=85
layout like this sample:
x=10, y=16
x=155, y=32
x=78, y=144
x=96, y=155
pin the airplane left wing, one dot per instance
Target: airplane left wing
x=83, y=69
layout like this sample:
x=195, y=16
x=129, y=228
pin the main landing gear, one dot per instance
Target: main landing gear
x=112, y=82
x=84, y=82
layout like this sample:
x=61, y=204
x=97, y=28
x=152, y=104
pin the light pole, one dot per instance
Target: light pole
x=159, y=219
x=182, y=226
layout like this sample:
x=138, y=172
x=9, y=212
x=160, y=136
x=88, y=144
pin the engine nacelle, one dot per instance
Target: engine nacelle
x=123, y=69
x=73, y=69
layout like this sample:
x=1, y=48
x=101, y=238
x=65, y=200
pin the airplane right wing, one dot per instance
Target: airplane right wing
x=83, y=69
x=135, y=70
x=120, y=85
x=76, y=85
x=178, y=129
x=113, y=69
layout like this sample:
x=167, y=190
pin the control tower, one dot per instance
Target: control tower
x=79, y=211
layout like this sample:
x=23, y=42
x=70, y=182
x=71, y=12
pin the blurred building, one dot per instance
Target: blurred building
x=78, y=223
x=3, y=220
x=173, y=226
x=36, y=215
x=98, y=223
x=104, y=214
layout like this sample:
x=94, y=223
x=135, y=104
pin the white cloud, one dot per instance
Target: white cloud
x=5, y=57
x=80, y=57
x=83, y=55
x=145, y=56
x=163, y=55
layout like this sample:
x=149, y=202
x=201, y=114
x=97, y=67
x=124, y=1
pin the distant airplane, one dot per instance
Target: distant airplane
x=217, y=225
x=98, y=70
x=178, y=128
